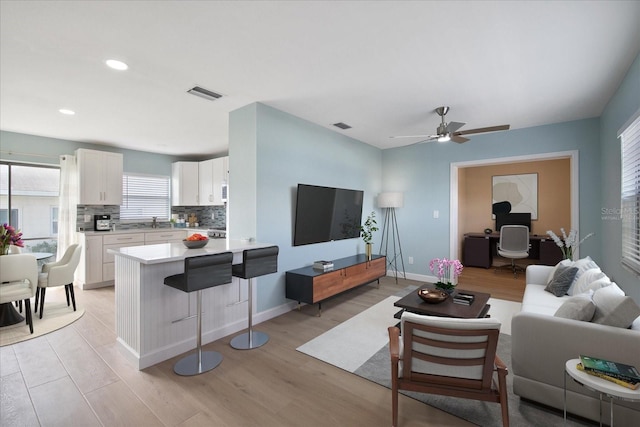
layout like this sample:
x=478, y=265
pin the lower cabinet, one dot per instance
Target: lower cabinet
x=97, y=266
x=313, y=286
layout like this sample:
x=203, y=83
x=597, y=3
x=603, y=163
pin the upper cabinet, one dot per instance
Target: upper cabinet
x=99, y=177
x=184, y=184
x=213, y=176
x=200, y=183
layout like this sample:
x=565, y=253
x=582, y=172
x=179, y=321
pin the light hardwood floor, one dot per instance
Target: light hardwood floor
x=77, y=377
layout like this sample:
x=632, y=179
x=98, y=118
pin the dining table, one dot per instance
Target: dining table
x=8, y=314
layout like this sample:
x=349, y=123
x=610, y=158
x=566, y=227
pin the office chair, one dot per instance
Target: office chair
x=514, y=244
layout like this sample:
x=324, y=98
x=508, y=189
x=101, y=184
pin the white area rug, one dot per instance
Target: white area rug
x=353, y=342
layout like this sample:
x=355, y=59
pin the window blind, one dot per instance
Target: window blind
x=630, y=198
x=145, y=196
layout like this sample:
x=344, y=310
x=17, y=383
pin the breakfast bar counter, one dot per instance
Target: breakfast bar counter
x=155, y=322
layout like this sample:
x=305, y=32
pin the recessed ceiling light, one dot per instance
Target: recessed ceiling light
x=116, y=65
x=67, y=112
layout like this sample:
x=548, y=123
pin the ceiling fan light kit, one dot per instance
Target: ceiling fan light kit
x=449, y=131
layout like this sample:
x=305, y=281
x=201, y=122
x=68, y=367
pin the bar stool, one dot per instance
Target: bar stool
x=255, y=262
x=201, y=272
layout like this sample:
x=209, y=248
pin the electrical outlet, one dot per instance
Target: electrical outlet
x=87, y=218
x=213, y=215
x=410, y=260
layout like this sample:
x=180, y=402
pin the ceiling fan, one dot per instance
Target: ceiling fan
x=449, y=131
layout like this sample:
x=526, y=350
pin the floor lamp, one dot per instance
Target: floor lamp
x=389, y=202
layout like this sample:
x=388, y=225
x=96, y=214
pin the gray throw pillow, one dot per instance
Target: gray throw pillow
x=614, y=308
x=579, y=307
x=562, y=280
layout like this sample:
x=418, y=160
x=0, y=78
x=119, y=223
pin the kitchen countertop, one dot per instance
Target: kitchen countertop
x=142, y=230
x=167, y=252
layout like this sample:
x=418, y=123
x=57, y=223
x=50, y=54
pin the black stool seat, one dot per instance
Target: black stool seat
x=201, y=272
x=255, y=262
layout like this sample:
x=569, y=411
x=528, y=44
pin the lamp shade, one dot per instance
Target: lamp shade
x=391, y=200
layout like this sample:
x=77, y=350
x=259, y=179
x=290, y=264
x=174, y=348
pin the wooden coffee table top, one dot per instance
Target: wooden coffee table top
x=447, y=308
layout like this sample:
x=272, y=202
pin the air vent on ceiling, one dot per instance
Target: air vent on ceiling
x=204, y=93
x=342, y=125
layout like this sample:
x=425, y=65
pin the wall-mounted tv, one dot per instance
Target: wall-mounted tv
x=324, y=214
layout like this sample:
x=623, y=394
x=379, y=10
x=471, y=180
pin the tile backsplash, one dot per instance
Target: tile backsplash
x=203, y=213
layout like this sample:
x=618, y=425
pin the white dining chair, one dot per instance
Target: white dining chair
x=59, y=273
x=18, y=281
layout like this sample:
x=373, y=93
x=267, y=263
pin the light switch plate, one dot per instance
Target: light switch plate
x=436, y=214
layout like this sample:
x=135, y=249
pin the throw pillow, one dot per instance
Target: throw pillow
x=579, y=307
x=562, y=279
x=613, y=308
x=563, y=263
x=583, y=264
x=582, y=283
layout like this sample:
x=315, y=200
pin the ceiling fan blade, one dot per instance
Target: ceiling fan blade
x=413, y=136
x=481, y=130
x=459, y=139
x=454, y=126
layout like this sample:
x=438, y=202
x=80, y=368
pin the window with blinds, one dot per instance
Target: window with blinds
x=630, y=207
x=145, y=196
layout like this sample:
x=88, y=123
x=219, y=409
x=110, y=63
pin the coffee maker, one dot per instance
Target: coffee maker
x=102, y=222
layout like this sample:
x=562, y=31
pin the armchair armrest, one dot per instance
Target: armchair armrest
x=394, y=344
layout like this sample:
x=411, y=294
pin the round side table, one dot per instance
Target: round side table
x=601, y=386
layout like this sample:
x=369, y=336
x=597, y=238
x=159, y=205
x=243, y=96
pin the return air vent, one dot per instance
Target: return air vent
x=342, y=125
x=204, y=93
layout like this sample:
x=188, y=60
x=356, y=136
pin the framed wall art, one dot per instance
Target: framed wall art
x=521, y=191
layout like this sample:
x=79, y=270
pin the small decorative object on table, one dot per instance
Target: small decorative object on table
x=9, y=236
x=196, y=241
x=568, y=243
x=370, y=225
x=432, y=296
x=447, y=271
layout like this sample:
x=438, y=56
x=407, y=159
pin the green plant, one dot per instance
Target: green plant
x=370, y=225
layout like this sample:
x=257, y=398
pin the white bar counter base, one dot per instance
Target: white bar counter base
x=147, y=311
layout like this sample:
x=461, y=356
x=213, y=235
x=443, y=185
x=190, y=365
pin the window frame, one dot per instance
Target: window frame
x=146, y=216
x=630, y=193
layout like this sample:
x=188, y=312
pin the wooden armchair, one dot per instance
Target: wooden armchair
x=447, y=356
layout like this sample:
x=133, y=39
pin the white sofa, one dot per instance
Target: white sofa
x=542, y=343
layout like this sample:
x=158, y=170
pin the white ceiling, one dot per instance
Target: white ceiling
x=381, y=67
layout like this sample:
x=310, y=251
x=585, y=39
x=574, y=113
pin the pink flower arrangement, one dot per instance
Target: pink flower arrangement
x=447, y=271
x=9, y=236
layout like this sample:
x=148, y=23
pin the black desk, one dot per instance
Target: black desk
x=480, y=248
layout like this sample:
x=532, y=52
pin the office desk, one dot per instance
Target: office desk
x=480, y=248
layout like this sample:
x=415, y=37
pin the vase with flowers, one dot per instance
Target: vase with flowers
x=447, y=271
x=9, y=236
x=569, y=243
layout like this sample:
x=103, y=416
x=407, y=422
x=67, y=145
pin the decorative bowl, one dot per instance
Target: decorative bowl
x=195, y=244
x=432, y=296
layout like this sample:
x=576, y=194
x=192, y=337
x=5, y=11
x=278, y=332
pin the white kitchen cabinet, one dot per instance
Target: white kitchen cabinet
x=169, y=236
x=99, y=177
x=89, y=270
x=114, y=241
x=213, y=176
x=184, y=184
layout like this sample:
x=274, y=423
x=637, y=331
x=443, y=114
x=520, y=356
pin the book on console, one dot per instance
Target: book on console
x=618, y=370
x=627, y=384
x=323, y=265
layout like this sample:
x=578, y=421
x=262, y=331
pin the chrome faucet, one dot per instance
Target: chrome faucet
x=154, y=222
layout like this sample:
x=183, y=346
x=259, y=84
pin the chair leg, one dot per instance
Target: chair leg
x=37, y=297
x=250, y=339
x=42, y=292
x=27, y=309
x=504, y=401
x=394, y=403
x=69, y=290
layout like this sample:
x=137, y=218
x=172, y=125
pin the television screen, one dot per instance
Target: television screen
x=324, y=214
x=513, y=218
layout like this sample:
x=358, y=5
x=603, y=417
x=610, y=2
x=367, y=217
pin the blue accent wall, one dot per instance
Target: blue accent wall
x=290, y=150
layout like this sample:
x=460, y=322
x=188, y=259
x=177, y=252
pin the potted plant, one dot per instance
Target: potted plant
x=370, y=225
x=447, y=271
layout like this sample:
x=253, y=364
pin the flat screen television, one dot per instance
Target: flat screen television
x=324, y=214
x=513, y=218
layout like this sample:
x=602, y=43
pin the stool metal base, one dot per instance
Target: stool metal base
x=188, y=365
x=242, y=342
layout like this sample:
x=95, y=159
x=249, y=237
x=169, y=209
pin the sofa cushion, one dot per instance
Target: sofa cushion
x=613, y=308
x=562, y=280
x=537, y=300
x=584, y=282
x=578, y=307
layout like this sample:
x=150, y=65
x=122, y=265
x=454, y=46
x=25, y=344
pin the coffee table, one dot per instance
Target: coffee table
x=414, y=304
